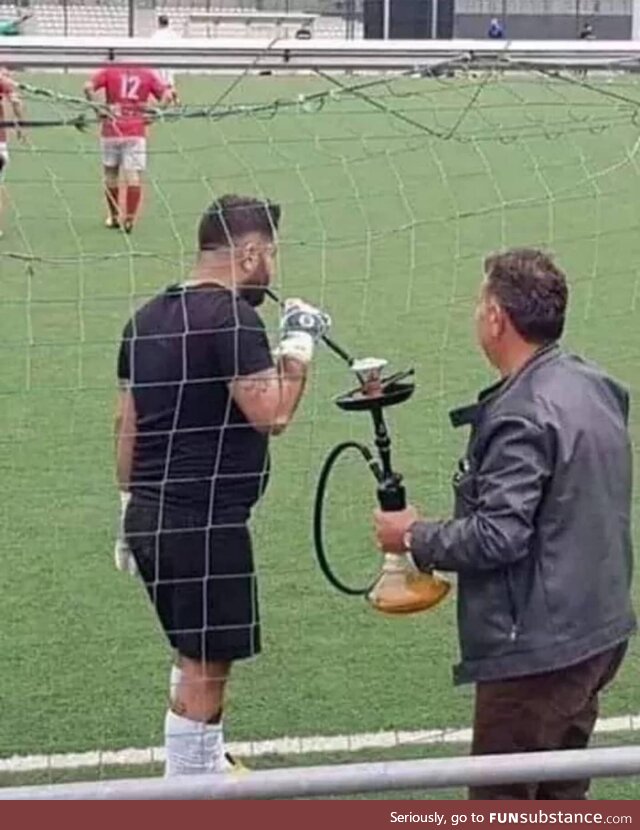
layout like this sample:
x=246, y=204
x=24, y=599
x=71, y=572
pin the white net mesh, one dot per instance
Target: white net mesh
x=392, y=189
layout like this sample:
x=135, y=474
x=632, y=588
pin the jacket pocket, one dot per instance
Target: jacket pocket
x=488, y=613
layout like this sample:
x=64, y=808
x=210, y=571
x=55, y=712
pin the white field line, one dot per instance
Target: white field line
x=277, y=746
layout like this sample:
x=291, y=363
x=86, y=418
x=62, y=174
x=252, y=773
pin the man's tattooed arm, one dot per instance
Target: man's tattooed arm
x=269, y=399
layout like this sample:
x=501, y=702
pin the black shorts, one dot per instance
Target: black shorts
x=200, y=578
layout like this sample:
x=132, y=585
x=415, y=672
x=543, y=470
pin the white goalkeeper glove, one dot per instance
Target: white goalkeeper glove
x=301, y=326
x=124, y=559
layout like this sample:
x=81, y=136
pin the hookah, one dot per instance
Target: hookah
x=399, y=588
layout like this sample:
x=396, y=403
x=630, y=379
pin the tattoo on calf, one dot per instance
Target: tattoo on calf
x=177, y=707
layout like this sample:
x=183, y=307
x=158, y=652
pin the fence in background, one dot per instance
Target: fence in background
x=86, y=18
x=522, y=19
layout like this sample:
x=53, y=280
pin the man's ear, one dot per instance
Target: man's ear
x=497, y=317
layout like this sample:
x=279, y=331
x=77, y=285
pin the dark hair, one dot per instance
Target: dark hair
x=531, y=289
x=231, y=217
x=163, y=20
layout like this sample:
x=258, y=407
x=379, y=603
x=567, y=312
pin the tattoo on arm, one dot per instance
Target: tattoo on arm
x=257, y=385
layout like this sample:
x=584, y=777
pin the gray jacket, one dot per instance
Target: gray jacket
x=541, y=538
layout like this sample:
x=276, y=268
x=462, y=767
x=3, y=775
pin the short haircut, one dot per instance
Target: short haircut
x=231, y=217
x=531, y=289
x=163, y=20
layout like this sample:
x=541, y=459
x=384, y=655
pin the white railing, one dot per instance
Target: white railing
x=291, y=55
x=342, y=779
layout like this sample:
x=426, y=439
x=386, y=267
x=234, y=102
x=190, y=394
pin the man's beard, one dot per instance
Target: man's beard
x=253, y=294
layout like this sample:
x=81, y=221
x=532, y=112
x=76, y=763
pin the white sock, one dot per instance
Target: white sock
x=192, y=747
x=174, y=681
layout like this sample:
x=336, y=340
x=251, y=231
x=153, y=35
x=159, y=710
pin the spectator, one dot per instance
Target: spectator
x=587, y=33
x=541, y=534
x=496, y=29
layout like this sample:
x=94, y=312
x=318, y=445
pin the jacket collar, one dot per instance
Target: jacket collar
x=464, y=415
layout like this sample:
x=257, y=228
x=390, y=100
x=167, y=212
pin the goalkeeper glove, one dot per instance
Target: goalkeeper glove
x=301, y=326
x=124, y=559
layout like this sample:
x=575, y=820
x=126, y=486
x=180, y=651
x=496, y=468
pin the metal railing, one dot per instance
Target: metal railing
x=344, y=779
x=300, y=55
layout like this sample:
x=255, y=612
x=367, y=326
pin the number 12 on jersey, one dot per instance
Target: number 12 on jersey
x=129, y=87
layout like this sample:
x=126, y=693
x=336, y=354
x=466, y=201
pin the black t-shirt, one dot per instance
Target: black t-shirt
x=194, y=447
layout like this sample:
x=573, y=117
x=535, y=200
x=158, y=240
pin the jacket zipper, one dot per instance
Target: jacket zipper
x=513, y=609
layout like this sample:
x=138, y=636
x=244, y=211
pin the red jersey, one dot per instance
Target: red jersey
x=6, y=91
x=127, y=89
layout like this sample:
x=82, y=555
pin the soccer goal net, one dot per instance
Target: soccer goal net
x=395, y=178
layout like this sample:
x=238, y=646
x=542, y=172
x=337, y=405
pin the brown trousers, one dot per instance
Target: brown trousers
x=554, y=710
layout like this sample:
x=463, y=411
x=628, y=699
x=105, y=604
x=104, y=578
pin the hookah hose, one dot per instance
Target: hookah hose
x=318, y=512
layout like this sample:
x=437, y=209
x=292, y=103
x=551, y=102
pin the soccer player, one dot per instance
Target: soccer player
x=166, y=33
x=200, y=394
x=8, y=93
x=127, y=89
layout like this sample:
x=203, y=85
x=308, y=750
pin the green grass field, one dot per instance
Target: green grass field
x=386, y=221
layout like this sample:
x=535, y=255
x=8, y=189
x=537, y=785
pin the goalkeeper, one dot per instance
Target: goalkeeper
x=200, y=395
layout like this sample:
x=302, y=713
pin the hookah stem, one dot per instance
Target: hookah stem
x=335, y=347
x=383, y=442
x=391, y=491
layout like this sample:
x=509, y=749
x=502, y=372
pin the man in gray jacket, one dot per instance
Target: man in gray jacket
x=540, y=538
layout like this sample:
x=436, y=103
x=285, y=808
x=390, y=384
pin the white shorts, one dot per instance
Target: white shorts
x=4, y=155
x=129, y=154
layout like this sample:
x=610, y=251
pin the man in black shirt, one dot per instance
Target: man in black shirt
x=200, y=394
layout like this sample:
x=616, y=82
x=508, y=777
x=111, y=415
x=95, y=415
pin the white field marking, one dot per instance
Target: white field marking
x=313, y=744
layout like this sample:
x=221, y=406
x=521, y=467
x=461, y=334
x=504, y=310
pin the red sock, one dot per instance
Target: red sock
x=134, y=195
x=113, y=201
